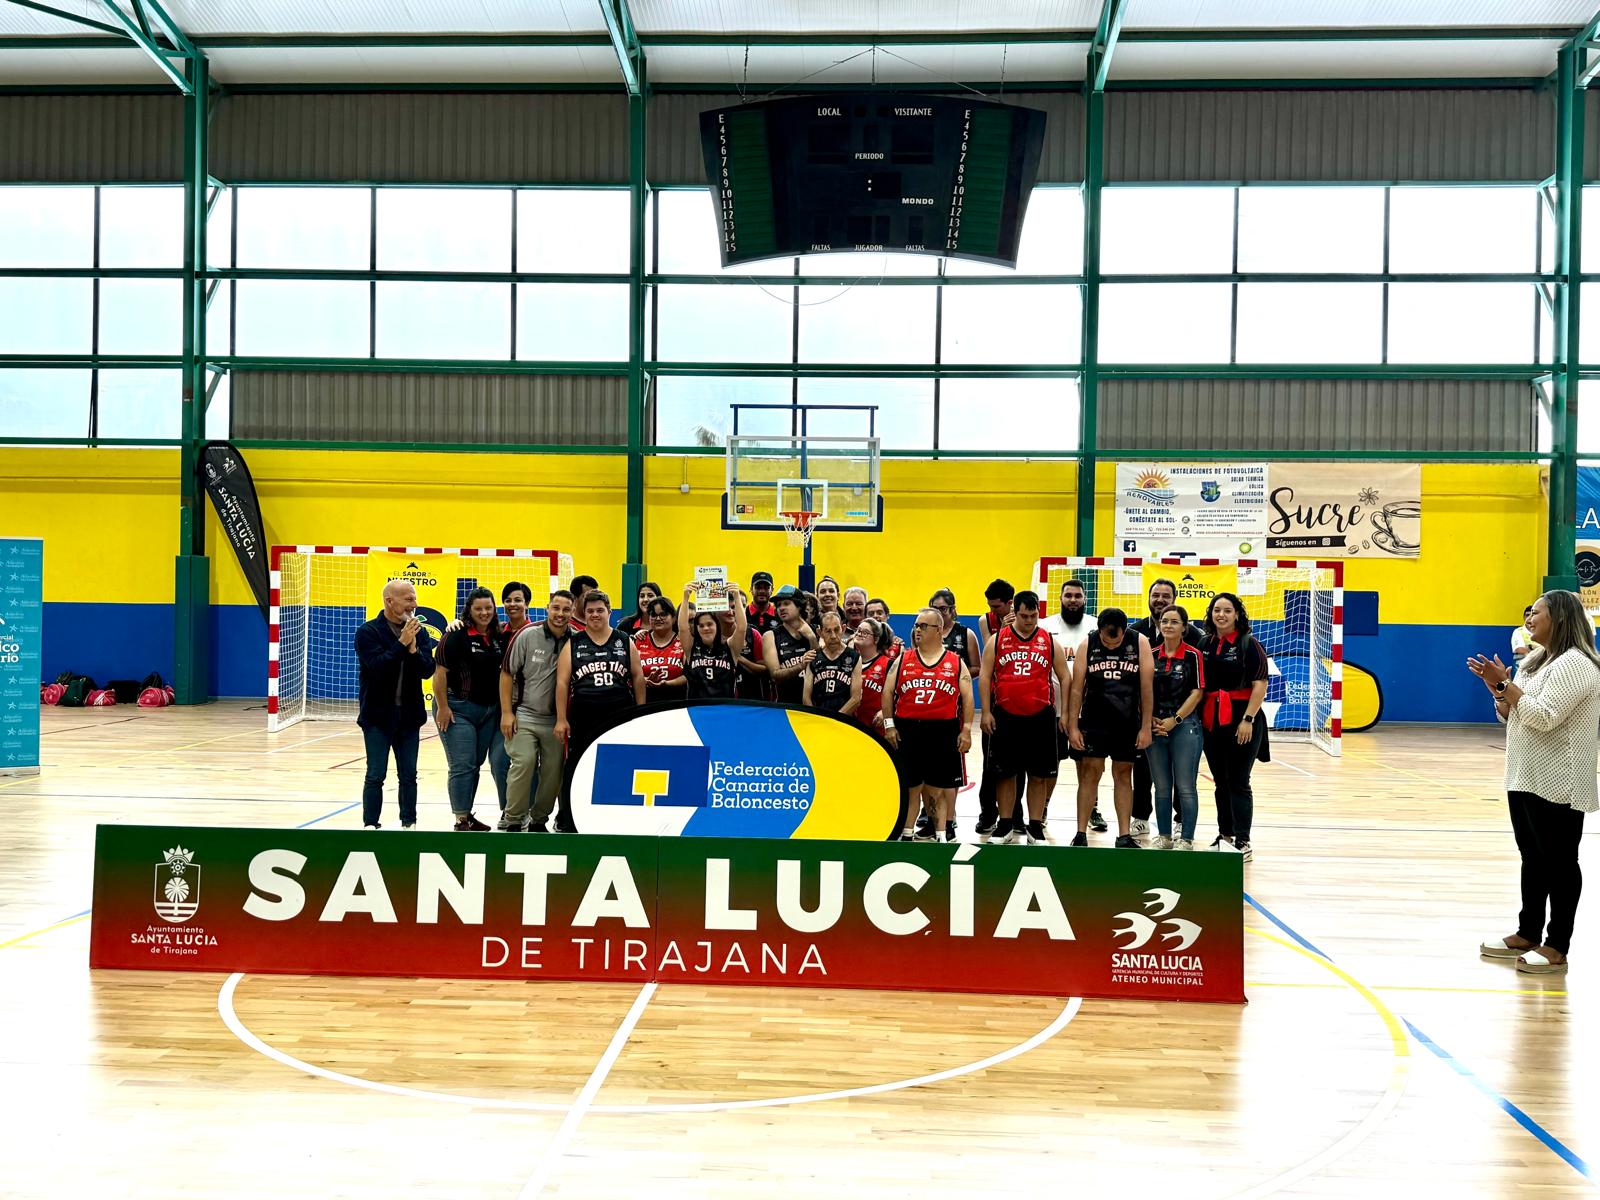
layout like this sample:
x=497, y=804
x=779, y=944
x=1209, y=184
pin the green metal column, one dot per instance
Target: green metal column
x=633, y=569
x=1560, y=567
x=192, y=577
x=1089, y=380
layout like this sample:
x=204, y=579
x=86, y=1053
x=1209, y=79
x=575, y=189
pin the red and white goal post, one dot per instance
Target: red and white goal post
x=1296, y=611
x=322, y=594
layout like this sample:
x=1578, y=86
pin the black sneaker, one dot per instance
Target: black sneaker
x=988, y=828
x=1080, y=838
x=924, y=825
x=1126, y=841
x=950, y=831
x=1243, y=848
x=470, y=824
x=1035, y=833
x=907, y=837
x=540, y=827
x=925, y=834
x=1097, y=822
x=998, y=832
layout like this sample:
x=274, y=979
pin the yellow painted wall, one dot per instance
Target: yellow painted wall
x=109, y=518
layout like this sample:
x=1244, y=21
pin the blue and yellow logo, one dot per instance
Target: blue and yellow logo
x=650, y=776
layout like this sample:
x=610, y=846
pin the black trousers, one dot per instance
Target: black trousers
x=1230, y=765
x=585, y=719
x=1547, y=838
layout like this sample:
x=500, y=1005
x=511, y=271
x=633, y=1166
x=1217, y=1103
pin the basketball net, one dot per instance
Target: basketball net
x=798, y=526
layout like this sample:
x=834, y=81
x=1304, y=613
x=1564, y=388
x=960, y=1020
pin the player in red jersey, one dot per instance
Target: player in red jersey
x=929, y=722
x=1023, y=684
x=661, y=653
x=874, y=642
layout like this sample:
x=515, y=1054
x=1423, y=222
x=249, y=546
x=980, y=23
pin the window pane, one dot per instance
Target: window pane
x=141, y=227
x=689, y=238
x=44, y=403
x=572, y=321
x=444, y=320
x=141, y=316
x=219, y=414
x=1462, y=229
x=695, y=411
x=46, y=226
x=904, y=416
x=1166, y=230
x=573, y=230
x=996, y=324
x=219, y=231
x=1008, y=414
x=1310, y=322
x=1453, y=322
x=1588, y=417
x=1311, y=229
x=46, y=316
x=1052, y=238
x=326, y=228
x=865, y=266
x=219, y=317
x=1589, y=332
x=444, y=229
x=1165, y=322
x=303, y=319
x=724, y=322
x=140, y=404
x=864, y=324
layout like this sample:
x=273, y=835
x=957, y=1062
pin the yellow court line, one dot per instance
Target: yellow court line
x=1401, y=987
x=17, y=941
x=1431, y=782
x=1397, y=1033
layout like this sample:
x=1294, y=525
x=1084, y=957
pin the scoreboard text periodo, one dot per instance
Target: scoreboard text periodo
x=940, y=175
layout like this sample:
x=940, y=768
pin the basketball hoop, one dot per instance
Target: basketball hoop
x=799, y=526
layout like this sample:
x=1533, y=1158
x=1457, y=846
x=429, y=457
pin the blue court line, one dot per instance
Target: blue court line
x=1550, y=1141
x=1516, y=1114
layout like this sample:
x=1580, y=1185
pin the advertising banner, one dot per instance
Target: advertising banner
x=736, y=768
x=433, y=575
x=228, y=482
x=1588, y=547
x=1345, y=510
x=935, y=916
x=1211, y=510
x=21, y=642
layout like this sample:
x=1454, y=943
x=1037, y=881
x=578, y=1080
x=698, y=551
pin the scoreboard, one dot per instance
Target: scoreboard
x=942, y=175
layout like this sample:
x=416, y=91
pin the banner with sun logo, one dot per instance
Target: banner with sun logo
x=1210, y=510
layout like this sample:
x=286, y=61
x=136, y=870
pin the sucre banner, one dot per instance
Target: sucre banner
x=938, y=916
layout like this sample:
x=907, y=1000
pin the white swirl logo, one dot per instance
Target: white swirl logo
x=1140, y=928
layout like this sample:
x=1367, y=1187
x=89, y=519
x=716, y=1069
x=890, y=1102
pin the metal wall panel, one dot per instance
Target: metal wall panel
x=91, y=139
x=674, y=133
x=390, y=137
x=1323, y=414
x=563, y=410
x=1364, y=135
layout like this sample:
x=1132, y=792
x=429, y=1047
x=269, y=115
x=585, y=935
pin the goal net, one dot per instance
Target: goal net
x=1296, y=611
x=322, y=594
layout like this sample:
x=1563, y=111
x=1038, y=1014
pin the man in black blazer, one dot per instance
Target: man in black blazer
x=396, y=661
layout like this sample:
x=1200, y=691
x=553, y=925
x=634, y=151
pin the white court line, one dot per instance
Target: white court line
x=1278, y=762
x=550, y=1160
x=230, y=1018
x=312, y=741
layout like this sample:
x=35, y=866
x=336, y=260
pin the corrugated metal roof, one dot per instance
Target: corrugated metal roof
x=91, y=139
x=381, y=407
x=409, y=138
x=202, y=17
x=866, y=16
x=428, y=64
x=674, y=131
x=1484, y=134
x=1321, y=414
x=1331, y=14
x=1459, y=58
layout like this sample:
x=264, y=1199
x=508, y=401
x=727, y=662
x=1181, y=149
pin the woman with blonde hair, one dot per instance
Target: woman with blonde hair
x=1552, y=717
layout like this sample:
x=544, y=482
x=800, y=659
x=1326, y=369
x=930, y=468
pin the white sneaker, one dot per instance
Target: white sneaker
x=1183, y=844
x=1221, y=842
x=1161, y=842
x=1226, y=847
x=413, y=825
x=369, y=827
x=1139, y=829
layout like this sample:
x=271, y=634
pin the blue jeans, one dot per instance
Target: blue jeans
x=1174, y=766
x=473, y=736
x=404, y=744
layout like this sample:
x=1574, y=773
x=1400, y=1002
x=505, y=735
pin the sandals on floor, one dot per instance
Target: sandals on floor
x=1499, y=949
x=1535, y=963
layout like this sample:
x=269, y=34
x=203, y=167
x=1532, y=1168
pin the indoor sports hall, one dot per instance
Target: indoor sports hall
x=1197, y=387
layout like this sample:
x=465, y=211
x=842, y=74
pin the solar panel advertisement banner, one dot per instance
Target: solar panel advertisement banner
x=21, y=642
x=1042, y=920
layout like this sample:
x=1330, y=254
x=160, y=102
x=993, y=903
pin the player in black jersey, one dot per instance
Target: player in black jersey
x=1108, y=716
x=597, y=676
x=788, y=648
x=710, y=663
x=833, y=680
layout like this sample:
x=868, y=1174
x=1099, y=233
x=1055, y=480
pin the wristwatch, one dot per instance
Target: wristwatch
x=1500, y=688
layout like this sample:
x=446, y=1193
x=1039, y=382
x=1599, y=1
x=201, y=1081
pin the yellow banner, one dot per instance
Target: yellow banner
x=1196, y=586
x=433, y=575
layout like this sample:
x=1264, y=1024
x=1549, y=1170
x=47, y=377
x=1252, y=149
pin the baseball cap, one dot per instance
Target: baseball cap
x=760, y=577
x=788, y=590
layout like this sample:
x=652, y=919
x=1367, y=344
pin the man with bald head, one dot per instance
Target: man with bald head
x=396, y=660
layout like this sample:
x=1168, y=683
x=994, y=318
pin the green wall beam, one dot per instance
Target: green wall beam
x=1560, y=566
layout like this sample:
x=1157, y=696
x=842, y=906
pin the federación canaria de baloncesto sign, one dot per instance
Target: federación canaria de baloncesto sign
x=818, y=913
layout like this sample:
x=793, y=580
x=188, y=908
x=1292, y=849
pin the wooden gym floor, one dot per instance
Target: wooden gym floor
x=1399, y=1064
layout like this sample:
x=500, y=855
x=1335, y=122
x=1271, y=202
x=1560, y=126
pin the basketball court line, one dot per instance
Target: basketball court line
x=1544, y=1136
